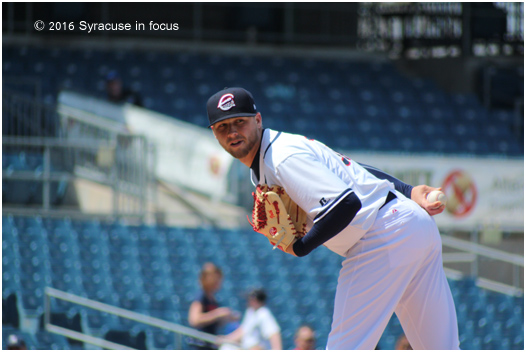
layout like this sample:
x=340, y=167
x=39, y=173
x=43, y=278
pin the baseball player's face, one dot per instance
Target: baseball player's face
x=239, y=136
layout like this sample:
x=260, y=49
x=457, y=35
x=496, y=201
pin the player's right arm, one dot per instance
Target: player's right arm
x=417, y=193
x=400, y=186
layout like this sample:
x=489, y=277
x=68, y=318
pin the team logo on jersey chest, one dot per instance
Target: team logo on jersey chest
x=226, y=102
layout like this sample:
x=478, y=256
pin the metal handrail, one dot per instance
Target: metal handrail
x=124, y=313
x=483, y=250
x=25, y=141
x=471, y=252
x=136, y=187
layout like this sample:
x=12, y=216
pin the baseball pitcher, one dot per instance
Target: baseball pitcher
x=307, y=195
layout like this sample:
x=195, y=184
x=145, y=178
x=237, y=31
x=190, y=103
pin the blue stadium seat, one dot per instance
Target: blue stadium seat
x=11, y=281
x=518, y=342
x=504, y=344
x=504, y=117
x=51, y=341
x=97, y=323
x=159, y=339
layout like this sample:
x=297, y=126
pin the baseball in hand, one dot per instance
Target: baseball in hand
x=433, y=196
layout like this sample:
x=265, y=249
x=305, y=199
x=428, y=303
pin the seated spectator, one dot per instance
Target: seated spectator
x=117, y=93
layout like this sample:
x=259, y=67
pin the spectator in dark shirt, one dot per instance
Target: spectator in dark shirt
x=205, y=312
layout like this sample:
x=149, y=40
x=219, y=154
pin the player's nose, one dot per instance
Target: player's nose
x=232, y=131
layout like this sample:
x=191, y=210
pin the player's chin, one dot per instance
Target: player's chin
x=238, y=153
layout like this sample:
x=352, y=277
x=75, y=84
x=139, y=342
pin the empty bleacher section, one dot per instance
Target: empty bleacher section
x=153, y=270
x=379, y=108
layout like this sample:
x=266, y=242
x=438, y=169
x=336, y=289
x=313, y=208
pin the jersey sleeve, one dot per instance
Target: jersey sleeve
x=400, y=186
x=311, y=184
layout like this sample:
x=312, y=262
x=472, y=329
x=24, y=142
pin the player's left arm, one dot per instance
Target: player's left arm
x=328, y=226
x=322, y=194
x=417, y=193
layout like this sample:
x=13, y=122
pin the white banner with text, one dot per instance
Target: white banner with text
x=480, y=191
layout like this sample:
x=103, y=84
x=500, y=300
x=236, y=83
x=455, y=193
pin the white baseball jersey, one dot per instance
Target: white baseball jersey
x=317, y=178
x=393, y=253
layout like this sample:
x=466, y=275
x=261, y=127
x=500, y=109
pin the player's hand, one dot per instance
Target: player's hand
x=419, y=195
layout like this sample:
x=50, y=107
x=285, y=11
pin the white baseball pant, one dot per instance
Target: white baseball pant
x=395, y=267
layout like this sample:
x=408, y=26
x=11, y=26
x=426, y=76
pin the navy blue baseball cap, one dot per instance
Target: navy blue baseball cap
x=228, y=103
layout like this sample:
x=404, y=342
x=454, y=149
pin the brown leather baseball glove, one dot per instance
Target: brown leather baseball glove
x=277, y=217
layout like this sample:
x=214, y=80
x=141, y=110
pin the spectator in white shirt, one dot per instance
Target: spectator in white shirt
x=259, y=329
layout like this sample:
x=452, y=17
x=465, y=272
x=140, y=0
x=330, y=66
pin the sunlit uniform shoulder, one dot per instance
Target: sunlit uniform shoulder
x=317, y=178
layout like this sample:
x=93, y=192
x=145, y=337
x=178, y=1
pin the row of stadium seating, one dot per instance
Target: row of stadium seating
x=154, y=269
x=378, y=107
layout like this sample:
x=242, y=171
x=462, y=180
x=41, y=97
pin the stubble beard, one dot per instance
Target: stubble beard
x=243, y=152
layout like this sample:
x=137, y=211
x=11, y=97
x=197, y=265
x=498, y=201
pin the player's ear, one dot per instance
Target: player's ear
x=259, y=120
x=213, y=131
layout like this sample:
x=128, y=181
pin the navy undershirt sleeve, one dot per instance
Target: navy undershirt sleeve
x=329, y=226
x=400, y=186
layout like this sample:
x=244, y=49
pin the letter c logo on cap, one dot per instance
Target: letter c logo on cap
x=226, y=102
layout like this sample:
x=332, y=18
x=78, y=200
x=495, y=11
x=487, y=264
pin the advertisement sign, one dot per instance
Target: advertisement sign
x=480, y=191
